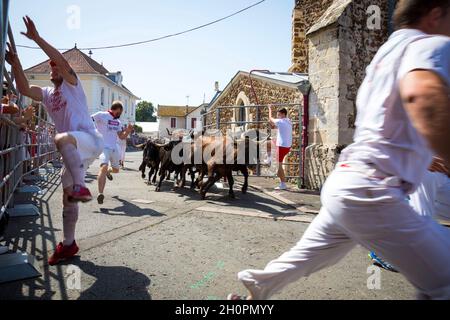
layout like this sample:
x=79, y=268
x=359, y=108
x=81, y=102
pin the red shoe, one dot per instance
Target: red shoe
x=63, y=253
x=80, y=194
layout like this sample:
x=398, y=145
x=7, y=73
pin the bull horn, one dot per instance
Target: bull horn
x=140, y=146
x=160, y=145
x=170, y=133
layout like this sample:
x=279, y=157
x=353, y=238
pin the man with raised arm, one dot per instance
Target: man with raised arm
x=77, y=140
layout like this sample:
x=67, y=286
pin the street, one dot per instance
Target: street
x=171, y=245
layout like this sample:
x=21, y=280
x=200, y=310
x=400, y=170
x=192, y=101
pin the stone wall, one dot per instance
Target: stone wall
x=322, y=152
x=339, y=53
x=357, y=47
x=268, y=93
x=304, y=16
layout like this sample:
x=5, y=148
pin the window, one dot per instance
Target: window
x=194, y=123
x=173, y=123
x=102, y=97
x=113, y=98
x=242, y=115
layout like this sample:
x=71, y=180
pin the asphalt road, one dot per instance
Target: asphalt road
x=171, y=245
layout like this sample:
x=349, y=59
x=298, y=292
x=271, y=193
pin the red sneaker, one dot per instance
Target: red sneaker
x=63, y=253
x=80, y=194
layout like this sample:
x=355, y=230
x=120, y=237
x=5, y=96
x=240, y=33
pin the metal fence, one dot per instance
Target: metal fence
x=23, y=149
x=236, y=118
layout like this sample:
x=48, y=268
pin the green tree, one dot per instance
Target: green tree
x=138, y=129
x=145, y=112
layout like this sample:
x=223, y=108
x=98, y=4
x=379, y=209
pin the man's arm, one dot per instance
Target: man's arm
x=125, y=133
x=271, y=119
x=426, y=98
x=7, y=109
x=23, y=86
x=66, y=71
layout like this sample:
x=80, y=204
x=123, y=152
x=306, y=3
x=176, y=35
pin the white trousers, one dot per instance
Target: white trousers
x=432, y=198
x=360, y=208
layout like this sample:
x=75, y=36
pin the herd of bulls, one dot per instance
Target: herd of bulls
x=159, y=158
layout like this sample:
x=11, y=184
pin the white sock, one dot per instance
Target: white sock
x=70, y=218
x=73, y=163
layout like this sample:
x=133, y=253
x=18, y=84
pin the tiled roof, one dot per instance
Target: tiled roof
x=79, y=61
x=174, y=111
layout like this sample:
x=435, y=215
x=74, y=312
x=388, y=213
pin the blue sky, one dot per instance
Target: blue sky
x=165, y=72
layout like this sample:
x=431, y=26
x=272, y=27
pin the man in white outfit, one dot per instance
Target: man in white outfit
x=109, y=125
x=403, y=119
x=77, y=140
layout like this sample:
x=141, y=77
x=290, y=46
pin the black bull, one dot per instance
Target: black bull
x=160, y=158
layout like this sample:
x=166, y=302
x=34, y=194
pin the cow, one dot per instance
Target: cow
x=217, y=168
x=151, y=159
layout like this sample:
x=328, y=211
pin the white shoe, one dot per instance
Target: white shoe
x=282, y=187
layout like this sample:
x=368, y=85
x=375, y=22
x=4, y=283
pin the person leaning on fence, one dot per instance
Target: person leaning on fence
x=284, y=141
x=77, y=140
x=8, y=101
x=403, y=120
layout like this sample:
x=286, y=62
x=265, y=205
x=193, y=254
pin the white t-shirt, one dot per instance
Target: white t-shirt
x=68, y=108
x=385, y=135
x=108, y=128
x=284, y=138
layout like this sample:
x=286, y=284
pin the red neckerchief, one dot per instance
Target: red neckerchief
x=112, y=115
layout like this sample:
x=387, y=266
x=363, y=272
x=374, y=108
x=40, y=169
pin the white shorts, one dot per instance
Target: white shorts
x=89, y=146
x=110, y=155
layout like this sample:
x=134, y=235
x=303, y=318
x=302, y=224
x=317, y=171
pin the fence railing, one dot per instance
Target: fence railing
x=236, y=118
x=24, y=148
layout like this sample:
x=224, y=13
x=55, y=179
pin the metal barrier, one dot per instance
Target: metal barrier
x=24, y=150
x=219, y=119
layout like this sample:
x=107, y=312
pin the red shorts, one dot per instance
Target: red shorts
x=282, y=153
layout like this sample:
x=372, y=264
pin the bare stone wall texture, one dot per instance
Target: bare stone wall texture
x=338, y=57
x=357, y=46
x=304, y=16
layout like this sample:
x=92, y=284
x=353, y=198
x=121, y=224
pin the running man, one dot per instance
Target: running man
x=77, y=140
x=284, y=141
x=109, y=125
x=403, y=120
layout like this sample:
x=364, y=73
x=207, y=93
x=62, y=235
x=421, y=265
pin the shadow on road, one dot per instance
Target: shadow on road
x=129, y=209
x=113, y=283
x=36, y=236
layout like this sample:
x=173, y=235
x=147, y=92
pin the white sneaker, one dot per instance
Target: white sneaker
x=282, y=186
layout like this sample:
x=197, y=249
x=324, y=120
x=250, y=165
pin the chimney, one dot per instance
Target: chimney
x=216, y=85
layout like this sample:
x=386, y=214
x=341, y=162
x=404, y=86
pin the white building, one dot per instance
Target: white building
x=179, y=117
x=100, y=86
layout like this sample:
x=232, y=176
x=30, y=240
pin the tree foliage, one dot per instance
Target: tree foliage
x=145, y=112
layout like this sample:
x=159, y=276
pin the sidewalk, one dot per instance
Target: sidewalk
x=305, y=201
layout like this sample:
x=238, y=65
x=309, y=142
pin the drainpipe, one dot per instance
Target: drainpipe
x=305, y=136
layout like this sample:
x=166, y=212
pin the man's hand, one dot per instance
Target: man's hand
x=32, y=32
x=130, y=128
x=28, y=113
x=11, y=56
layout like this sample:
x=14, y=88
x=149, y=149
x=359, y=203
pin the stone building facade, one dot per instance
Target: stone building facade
x=268, y=88
x=333, y=41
